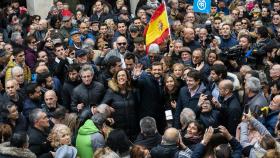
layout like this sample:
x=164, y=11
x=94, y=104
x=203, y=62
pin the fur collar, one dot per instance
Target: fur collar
x=113, y=85
x=5, y=149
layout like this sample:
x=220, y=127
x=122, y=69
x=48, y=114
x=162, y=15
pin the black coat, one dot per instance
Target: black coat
x=89, y=95
x=231, y=113
x=21, y=124
x=164, y=151
x=67, y=90
x=211, y=118
x=102, y=17
x=185, y=100
x=148, y=141
x=125, y=114
x=38, y=143
x=151, y=101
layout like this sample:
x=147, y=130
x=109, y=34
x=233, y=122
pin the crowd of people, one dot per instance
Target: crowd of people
x=81, y=83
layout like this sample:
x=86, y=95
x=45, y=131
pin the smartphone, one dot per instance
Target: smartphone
x=216, y=130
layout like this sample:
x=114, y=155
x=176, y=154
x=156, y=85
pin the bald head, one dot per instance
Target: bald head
x=218, y=62
x=188, y=34
x=225, y=88
x=50, y=99
x=275, y=103
x=170, y=137
x=43, y=24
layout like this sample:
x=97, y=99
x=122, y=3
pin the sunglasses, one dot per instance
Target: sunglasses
x=121, y=44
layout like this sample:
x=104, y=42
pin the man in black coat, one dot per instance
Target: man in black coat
x=88, y=93
x=150, y=93
x=12, y=94
x=229, y=106
x=149, y=136
x=72, y=80
x=38, y=132
x=170, y=146
x=189, y=95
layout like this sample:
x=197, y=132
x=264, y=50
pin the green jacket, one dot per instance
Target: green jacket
x=84, y=139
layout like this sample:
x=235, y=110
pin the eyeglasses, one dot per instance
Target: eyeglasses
x=122, y=44
x=33, y=42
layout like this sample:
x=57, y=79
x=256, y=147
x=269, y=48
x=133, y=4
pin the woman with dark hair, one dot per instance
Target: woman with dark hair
x=274, y=89
x=79, y=16
x=211, y=57
x=171, y=92
x=121, y=96
x=56, y=33
x=10, y=115
x=17, y=147
x=246, y=24
x=193, y=134
x=119, y=143
x=30, y=51
x=266, y=16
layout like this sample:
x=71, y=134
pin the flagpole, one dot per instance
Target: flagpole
x=170, y=38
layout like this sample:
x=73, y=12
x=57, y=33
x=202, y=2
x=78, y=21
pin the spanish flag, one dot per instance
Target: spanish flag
x=158, y=28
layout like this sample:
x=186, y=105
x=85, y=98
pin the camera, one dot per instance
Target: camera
x=232, y=53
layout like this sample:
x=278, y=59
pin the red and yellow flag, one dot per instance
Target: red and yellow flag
x=158, y=28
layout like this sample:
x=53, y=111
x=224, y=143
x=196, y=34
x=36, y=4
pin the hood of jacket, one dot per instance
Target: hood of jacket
x=6, y=149
x=88, y=128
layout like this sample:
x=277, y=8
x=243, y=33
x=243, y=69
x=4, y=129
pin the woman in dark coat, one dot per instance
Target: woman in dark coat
x=10, y=115
x=171, y=92
x=122, y=98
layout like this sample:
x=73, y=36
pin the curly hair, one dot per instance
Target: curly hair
x=56, y=133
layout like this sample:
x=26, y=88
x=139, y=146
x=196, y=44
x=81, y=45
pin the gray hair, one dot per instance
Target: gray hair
x=148, y=126
x=34, y=115
x=88, y=44
x=253, y=84
x=15, y=36
x=154, y=48
x=86, y=68
x=98, y=119
x=103, y=109
x=178, y=41
x=16, y=69
x=186, y=116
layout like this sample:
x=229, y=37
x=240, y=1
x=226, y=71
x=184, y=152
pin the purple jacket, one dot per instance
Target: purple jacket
x=30, y=57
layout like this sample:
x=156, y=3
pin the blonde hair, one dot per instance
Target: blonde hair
x=56, y=133
x=70, y=120
x=180, y=65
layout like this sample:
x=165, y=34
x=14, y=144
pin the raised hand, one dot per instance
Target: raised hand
x=207, y=135
x=225, y=132
x=137, y=70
